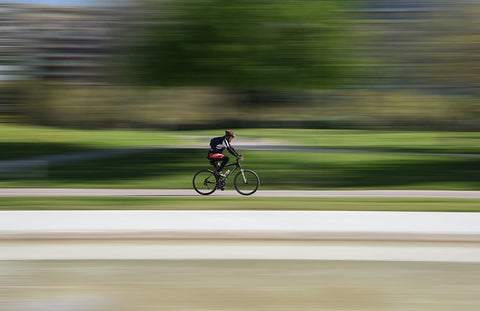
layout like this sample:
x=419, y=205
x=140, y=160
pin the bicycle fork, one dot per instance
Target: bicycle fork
x=243, y=175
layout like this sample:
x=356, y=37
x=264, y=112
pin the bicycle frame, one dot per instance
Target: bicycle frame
x=237, y=165
x=204, y=183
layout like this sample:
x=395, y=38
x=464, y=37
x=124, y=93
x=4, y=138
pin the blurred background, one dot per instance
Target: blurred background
x=186, y=64
x=380, y=76
x=394, y=82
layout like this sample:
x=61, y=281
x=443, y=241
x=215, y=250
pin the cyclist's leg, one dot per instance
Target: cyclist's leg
x=225, y=160
x=215, y=158
x=215, y=164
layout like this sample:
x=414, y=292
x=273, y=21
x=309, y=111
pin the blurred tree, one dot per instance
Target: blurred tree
x=242, y=44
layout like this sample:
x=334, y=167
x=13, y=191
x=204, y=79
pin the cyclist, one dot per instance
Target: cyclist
x=215, y=154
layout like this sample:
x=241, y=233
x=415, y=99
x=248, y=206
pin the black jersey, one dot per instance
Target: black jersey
x=218, y=144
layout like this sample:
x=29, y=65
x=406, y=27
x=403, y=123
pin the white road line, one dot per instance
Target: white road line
x=240, y=221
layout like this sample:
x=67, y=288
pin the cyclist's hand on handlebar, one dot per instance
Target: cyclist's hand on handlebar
x=240, y=157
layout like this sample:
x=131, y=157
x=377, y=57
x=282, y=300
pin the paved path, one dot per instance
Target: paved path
x=48, y=192
x=240, y=250
x=266, y=235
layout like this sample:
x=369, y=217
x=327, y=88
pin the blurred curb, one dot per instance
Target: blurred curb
x=238, y=236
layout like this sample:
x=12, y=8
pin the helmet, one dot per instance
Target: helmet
x=229, y=133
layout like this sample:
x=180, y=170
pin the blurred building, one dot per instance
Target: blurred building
x=11, y=45
x=412, y=44
x=423, y=44
x=67, y=45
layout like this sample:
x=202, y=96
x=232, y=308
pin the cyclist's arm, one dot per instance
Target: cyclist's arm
x=231, y=149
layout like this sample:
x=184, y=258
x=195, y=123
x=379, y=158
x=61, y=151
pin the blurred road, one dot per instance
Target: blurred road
x=60, y=248
x=245, y=235
x=233, y=285
x=40, y=192
x=239, y=260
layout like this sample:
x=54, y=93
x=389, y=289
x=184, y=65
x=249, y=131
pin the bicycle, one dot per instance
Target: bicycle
x=246, y=182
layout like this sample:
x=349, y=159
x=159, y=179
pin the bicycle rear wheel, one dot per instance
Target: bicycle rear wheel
x=205, y=182
x=246, y=182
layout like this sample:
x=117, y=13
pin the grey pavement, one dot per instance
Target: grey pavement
x=81, y=192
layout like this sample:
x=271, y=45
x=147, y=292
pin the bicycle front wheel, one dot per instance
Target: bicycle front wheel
x=205, y=182
x=246, y=182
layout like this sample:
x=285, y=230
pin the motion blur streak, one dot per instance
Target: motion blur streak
x=237, y=285
x=246, y=64
x=387, y=64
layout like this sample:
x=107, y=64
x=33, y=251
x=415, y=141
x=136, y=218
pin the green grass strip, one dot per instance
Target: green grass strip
x=173, y=169
x=239, y=203
x=19, y=140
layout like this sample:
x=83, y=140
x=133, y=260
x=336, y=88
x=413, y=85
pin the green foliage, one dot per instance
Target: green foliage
x=242, y=44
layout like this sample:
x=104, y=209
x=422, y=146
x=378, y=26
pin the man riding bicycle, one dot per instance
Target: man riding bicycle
x=215, y=154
